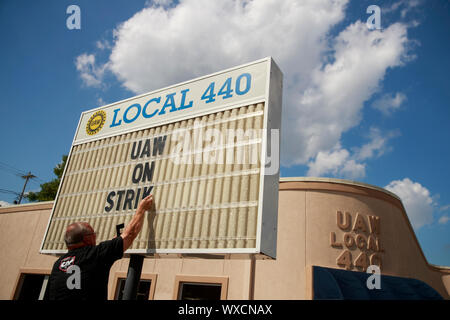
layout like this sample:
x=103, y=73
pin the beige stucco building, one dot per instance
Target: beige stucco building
x=321, y=222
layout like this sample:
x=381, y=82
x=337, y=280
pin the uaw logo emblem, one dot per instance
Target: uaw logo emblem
x=95, y=122
x=66, y=263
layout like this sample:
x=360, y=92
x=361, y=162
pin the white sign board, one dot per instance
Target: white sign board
x=200, y=147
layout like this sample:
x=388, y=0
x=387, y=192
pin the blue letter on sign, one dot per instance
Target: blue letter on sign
x=209, y=94
x=170, y=102
x=226, y=90
x=248, y=83
x=114, y=123
x=144, y=111
x=138, y=112
x=183, y=100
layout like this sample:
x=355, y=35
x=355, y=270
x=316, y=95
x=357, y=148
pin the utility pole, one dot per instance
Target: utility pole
x=26, y=177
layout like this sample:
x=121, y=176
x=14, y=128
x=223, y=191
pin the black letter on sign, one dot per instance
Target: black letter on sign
x=137, y=198
x=148, y=172
x=128, y=199
x=147, y=191
x=158, y=145
x=119, y=200
x=146, y=149
x=133, y=177
x=110, y=201
x=134, y=152
x=141, y=173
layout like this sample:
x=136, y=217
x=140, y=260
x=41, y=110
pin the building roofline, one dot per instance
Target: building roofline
x=33, y=206
x=48, y=204
x=339, y=181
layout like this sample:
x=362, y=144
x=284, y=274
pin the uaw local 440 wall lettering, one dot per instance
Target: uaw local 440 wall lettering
x=359, y=240
x=207, y=149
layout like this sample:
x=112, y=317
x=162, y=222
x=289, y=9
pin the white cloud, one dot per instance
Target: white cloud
x=327, y=161
x=5, y=204
x=409, y=5
x=377, y=145
x=444, y=219
x=158, y=47
x=101, y=102
x=91, y=74
x=333, y=103
x=416, y=199
x=166, y=43
x=103, y=44
x=353, y=170
x=406, y=5
x=389, y=103
x=337, y=163
x=341, y=163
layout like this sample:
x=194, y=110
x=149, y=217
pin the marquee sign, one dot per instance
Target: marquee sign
x=207, y=149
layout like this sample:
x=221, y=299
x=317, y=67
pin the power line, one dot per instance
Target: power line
x=10, y=168
x=37, y=183
x=17, y=172
x=27, y=176
x=9, y=192
x=37, y=178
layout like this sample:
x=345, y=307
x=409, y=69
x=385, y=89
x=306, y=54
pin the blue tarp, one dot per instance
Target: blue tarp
x=342, y=284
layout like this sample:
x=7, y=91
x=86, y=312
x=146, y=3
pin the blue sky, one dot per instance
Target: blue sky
x=359, y=104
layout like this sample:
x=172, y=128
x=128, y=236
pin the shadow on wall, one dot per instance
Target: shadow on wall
x=151, y=215
x=335, y=284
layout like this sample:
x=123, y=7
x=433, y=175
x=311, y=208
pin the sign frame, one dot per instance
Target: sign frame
x=267, y=214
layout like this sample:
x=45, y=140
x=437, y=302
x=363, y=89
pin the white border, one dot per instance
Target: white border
x=265, y=99
x=176, y=251
x=57, y=196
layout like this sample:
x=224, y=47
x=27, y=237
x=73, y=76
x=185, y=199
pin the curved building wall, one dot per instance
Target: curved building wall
x=321, y=222
x=342, y=224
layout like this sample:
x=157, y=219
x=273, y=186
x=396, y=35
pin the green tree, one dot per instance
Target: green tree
x=49, y=189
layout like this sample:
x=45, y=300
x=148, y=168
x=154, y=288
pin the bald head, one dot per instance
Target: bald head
x=76, y=232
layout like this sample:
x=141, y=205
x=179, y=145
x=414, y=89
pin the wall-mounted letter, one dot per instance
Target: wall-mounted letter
x=374, y=223
x=333, y=242
x=359, y=225
x=343, y=220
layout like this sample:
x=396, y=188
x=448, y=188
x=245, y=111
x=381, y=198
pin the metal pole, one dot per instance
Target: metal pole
x=26, y=177
x=252, y=277
x=133, y=277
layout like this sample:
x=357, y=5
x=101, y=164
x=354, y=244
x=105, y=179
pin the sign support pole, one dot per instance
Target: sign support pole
x=252, y=277
x=133, y=277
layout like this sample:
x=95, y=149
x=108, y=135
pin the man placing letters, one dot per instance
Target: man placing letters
x=93, y=261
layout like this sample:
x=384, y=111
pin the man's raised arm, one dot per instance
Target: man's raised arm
x=133, y=228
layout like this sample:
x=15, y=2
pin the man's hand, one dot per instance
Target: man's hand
x=146, y=203
x=135, y=225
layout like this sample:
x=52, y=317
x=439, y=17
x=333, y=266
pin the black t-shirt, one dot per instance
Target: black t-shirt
x=94, y=263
